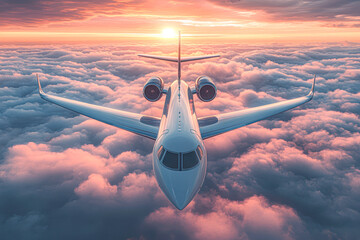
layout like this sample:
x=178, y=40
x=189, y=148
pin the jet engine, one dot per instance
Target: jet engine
x=205, y=88
x=153, y=89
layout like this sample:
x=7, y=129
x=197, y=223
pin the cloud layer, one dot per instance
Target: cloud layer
x=299, y=10
x=32, y=13
x=294, y=176
x=42, y=11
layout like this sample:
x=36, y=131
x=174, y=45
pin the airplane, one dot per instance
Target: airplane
x=179, y=154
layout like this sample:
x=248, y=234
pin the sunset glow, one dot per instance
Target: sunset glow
x=168, y=33
x=244, y=21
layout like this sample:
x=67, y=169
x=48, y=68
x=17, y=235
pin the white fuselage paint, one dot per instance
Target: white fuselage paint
x=179, y=132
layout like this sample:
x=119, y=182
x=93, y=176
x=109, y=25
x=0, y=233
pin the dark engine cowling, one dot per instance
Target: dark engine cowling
x=153, y=89
x=205, y=88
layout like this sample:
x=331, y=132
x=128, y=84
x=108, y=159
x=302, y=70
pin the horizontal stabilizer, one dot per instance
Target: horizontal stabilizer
x=170, y=59
x=175, y=59
x=188, y=59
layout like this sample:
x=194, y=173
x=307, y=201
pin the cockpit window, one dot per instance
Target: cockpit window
x=161, y=152
x=171, y=160
x=179, y=161
x=190, y=160
x=199, y=152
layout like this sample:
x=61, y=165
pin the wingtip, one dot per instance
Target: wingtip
x=312, y=91
x=39, y=84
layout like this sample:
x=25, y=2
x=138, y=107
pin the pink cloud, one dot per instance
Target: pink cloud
x=253, y=218
x=36, y=162
x=354, y=182
x=135, y=187
x=279, y=178
x=214, y=225
x=263, y=220
x=351, y=142
x=96, y=186
x=279, y=152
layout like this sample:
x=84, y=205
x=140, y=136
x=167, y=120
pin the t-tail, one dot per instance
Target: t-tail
x=178, y=59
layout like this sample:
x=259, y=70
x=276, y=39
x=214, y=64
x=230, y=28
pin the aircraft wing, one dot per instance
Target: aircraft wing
x=136, y=123
x=215, y=125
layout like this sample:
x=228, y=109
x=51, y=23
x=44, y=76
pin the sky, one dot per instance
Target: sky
x=293, y=176
x=110, y=21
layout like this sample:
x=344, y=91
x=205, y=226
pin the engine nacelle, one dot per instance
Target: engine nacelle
x=205, y=88
x=153, y=89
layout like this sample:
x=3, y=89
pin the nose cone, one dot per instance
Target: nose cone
x=180, y=187
x=181, y=191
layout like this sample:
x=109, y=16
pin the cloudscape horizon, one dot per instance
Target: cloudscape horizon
x=112, y=20
x=293, y=176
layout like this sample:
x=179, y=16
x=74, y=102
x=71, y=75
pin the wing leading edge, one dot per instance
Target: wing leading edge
x=142, y=125
x=215, y=125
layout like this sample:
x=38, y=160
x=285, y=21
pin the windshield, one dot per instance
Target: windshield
x=171, y=160
x=161, y=152
x=199, y=152
x=190, y=160
x=179, y=161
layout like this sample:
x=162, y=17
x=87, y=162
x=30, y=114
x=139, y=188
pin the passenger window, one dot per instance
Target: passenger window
x=171, y=160
x=199, y=152
x=161, y=152
x=190, y=160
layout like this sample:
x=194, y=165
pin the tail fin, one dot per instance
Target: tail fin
x=179, y=59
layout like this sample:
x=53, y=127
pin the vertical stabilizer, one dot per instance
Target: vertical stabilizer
x=179, y=60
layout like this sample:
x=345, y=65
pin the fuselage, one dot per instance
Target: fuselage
x=179, y=155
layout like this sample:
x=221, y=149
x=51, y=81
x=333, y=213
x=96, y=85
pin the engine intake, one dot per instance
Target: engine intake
x=153, y=89
x=205, y=88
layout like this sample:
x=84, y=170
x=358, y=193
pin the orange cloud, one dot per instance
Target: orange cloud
x=112, y=20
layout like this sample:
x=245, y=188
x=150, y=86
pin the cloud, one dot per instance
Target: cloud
x=96, y=186
x=42, y=11
x=82, y=18
x=293, y=176
x=298, y=10
x=253, y=218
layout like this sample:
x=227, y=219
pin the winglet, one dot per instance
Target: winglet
x=40, y=89
x=311, y=93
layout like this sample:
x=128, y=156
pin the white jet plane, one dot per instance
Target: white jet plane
x=179, y=154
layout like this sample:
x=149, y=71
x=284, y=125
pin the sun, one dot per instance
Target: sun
x=168, y=33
